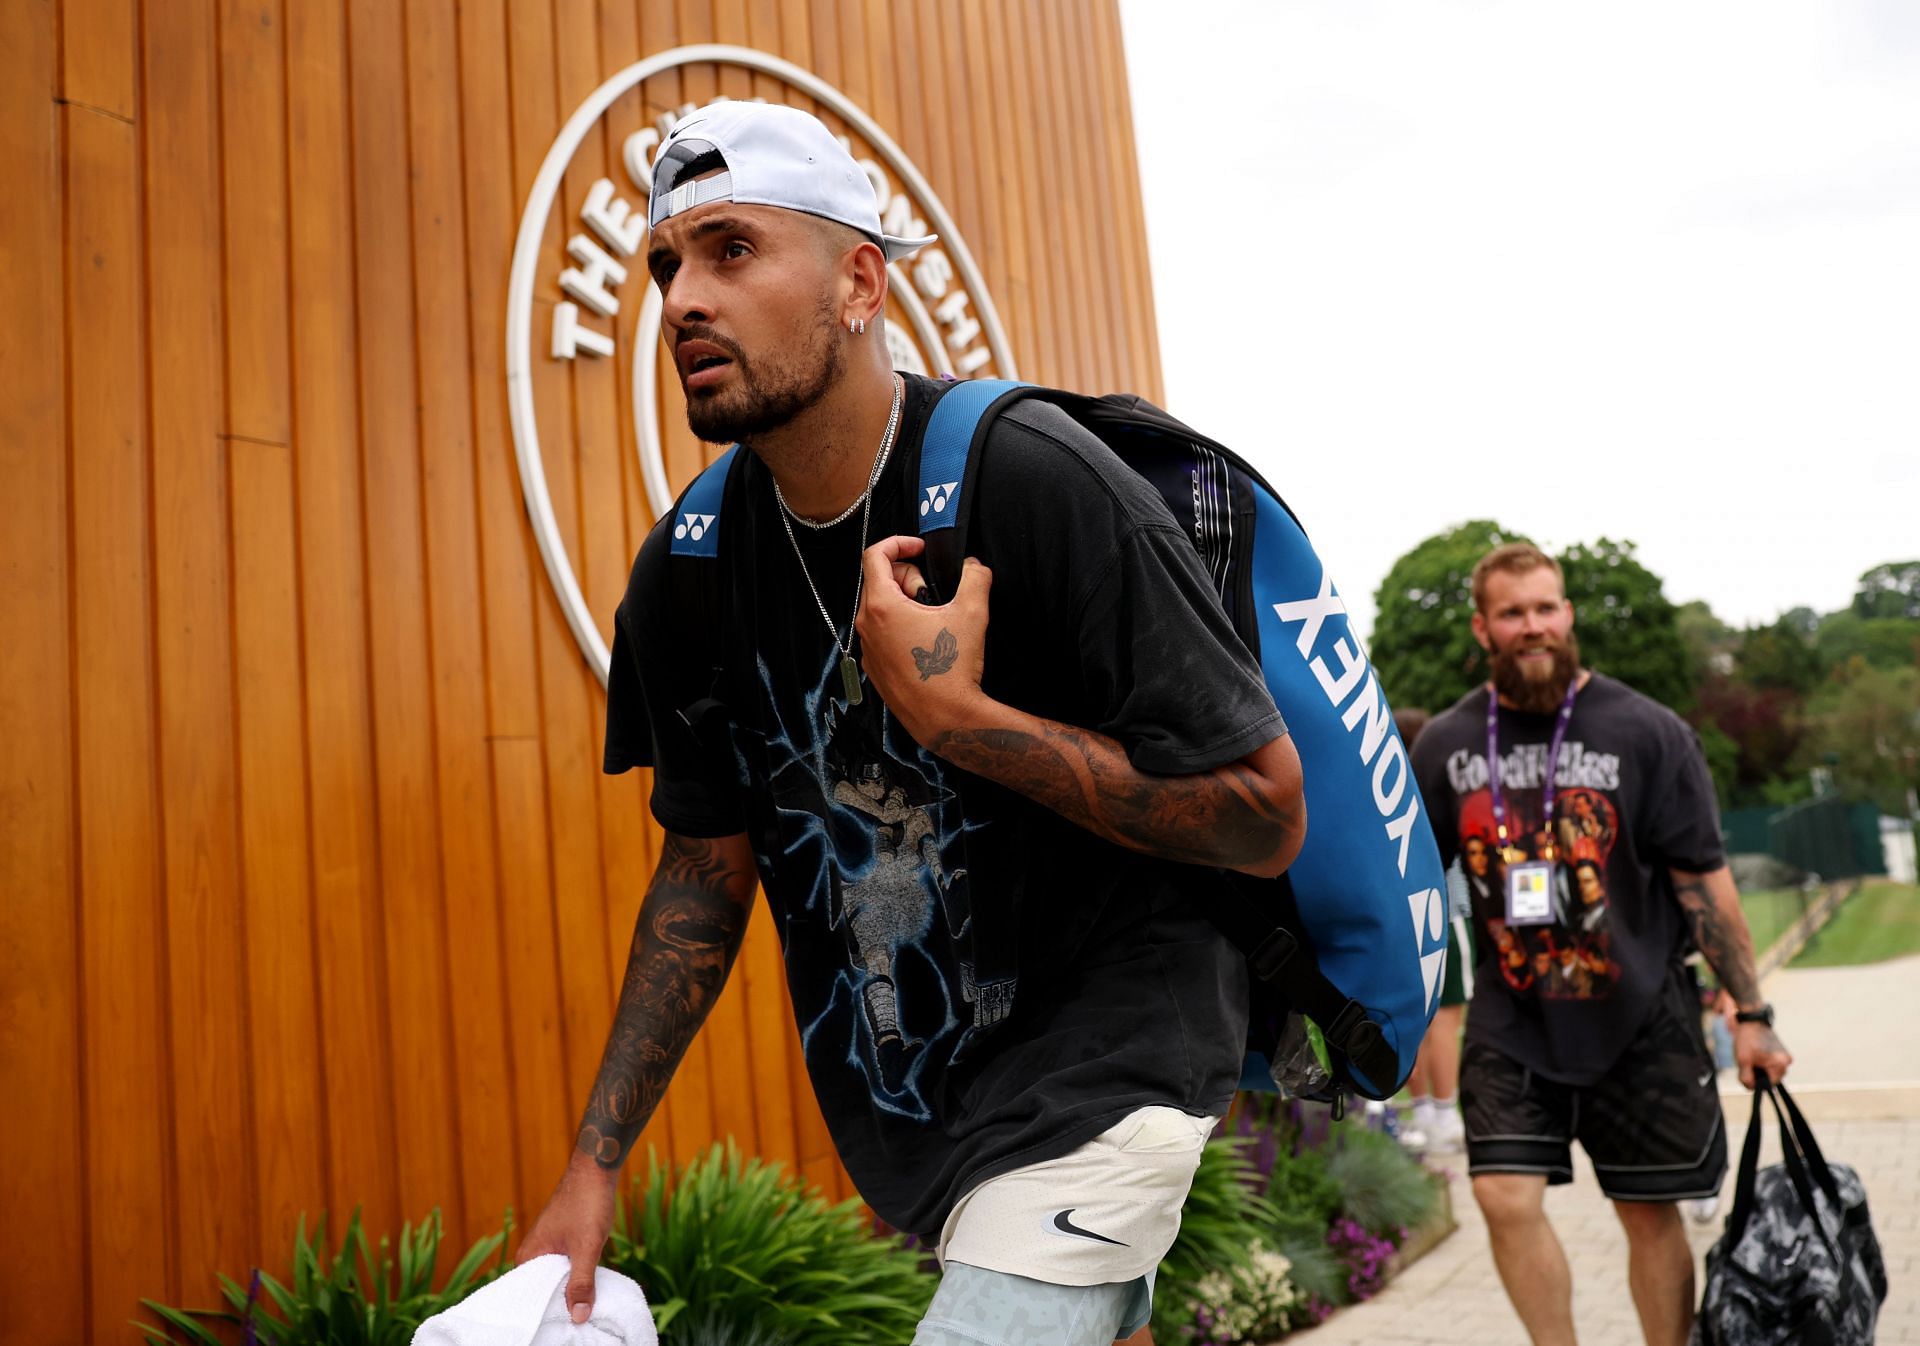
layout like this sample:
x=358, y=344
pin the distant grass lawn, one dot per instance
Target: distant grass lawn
x=1769, y=912
x=1879, y=922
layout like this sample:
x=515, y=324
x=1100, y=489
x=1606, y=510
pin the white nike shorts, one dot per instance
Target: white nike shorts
x=1104, y=1213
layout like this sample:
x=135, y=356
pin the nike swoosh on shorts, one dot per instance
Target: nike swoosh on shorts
x=1067, y=1226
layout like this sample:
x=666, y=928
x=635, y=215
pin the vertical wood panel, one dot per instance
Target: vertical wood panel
x=1004, y=256
x=39, y=1069
x=98, y=55
x=1118, y=115
x=481, y=1104
x=127, y=1074
x=253, y=137
x=361, y=1136
x=508, y=566
x=1052, y=101
x=206, y=928
x=290, y=1098
x=413, y=954
x=1040, y=354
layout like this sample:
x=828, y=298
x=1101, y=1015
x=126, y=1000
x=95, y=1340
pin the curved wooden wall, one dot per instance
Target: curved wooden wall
x=315, y=896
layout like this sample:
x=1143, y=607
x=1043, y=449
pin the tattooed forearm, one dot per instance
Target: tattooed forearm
x=1712, y=907
x=689, y=929
x=1232, y=816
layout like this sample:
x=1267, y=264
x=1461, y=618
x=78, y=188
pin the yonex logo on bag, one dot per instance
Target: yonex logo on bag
x=695, y=526
x=1428, y=909
x=937, y=498
x=1355, y=688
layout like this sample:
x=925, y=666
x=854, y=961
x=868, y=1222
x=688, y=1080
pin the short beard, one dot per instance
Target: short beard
x=757, y=406
x=1540, y=695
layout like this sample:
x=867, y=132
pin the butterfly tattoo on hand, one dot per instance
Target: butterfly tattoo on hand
x=945, y=651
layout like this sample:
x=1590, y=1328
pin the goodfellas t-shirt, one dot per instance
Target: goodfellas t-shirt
x=978, y=984
x=1633, y=800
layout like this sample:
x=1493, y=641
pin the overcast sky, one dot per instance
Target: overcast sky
x=1641, y=270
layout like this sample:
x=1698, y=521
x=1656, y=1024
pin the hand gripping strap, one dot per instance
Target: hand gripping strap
x=696, y=525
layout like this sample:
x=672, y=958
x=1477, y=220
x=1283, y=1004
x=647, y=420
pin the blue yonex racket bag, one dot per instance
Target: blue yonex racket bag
x=1354, y=935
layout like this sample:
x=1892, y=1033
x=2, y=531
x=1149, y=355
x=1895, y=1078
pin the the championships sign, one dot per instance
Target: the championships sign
x=943, y=320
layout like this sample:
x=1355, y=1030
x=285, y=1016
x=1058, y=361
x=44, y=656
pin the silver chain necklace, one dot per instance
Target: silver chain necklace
x=849, y=671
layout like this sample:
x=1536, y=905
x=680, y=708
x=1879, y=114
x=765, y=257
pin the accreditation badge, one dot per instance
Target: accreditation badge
x=1530, y=893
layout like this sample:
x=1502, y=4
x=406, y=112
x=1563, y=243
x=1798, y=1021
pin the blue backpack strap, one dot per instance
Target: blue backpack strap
x=698, y=585
x=946, y=459
x=696, y=527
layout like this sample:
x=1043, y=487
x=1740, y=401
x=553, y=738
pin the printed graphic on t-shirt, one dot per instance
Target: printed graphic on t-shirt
x=1571, y=957
x=873, y=883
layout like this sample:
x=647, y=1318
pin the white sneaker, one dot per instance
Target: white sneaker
x=1449, y=1131
x=1702, y=1209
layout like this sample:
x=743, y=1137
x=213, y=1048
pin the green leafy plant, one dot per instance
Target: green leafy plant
x=1316, y=1269
x=1302, y=1190
x=1382, y=1188
x=362, y=1295
x=1223, y=1212
x=757, y=1252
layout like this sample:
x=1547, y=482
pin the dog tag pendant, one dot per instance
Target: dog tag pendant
x=850, y=679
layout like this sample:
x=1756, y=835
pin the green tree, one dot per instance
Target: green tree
x=1890, y=590
x=1710, y=642
x=1423, y=648
x=1866, y=725
x=1802, y=619
x=1778, y=658
x=1723, y=760
x=1627, y=627
x=1880, y=642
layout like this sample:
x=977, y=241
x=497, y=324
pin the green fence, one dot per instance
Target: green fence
x=1746, y=830
x=1828, y=838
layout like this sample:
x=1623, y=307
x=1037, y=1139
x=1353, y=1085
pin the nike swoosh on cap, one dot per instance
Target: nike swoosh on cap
x=1067, y=1226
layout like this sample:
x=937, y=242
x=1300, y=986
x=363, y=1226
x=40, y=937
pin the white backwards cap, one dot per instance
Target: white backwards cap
x=769, y=155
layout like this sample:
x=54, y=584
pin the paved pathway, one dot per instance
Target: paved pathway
x=1856, y=1036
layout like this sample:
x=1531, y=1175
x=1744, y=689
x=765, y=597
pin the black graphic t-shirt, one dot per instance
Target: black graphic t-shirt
x=978, y=984
x=1633, y=800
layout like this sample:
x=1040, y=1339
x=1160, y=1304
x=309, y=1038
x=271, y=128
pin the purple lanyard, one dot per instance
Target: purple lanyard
x=1553, y=756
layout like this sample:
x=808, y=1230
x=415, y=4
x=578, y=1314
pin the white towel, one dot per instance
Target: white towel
x=528, y=1307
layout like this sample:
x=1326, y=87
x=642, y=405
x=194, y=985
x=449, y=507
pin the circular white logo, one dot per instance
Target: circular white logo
x=944, y=319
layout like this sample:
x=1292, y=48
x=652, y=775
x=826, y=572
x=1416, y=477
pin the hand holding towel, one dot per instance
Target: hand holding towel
x=528, y=1307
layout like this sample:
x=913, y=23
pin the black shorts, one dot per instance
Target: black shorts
x=1652, y=1125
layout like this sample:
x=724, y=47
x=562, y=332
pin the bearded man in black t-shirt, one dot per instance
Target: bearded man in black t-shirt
x=983, y=844
x=1596, y=807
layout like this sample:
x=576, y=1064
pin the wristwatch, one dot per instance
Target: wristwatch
x=1763, y=1015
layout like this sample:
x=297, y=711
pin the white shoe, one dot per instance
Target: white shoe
x=1701, y=1209
x=1449, y=1131
x=1414, y=1139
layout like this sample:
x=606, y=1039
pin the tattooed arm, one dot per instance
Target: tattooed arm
x=1711, y=904
x=691, y=923
x=1248, y=815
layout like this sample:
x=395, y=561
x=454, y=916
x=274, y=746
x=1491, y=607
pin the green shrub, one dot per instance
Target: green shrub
x=1302, y=1189
x=1217, y=1227
x=1317, y=1270
x=758, y=1253
x=353, y=1297
x=1382, y=1187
